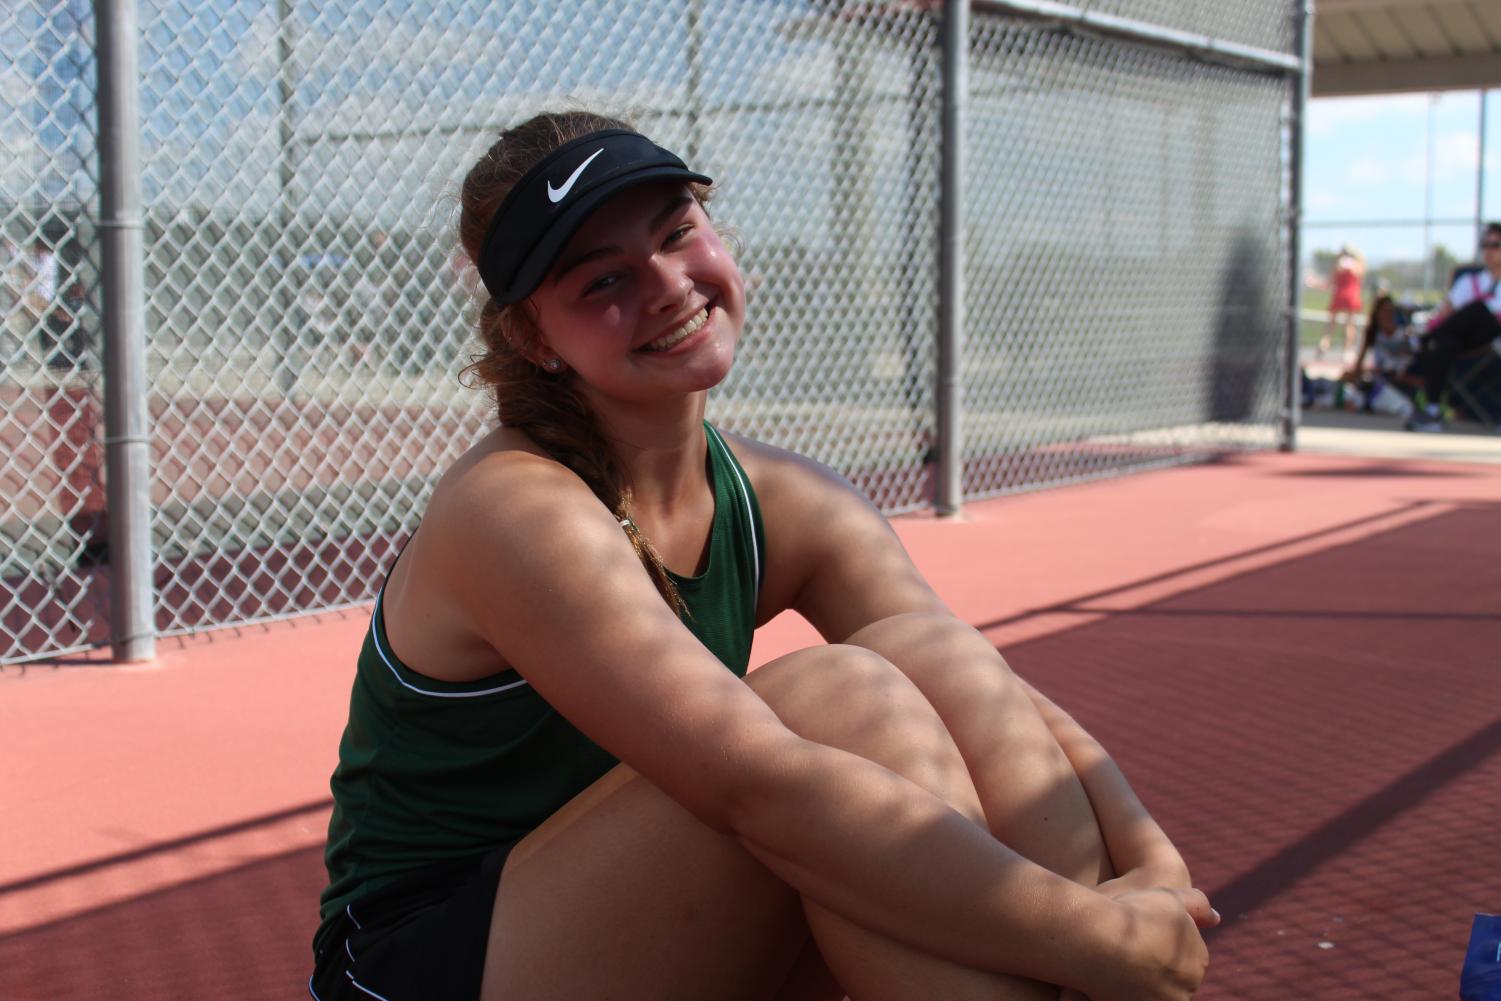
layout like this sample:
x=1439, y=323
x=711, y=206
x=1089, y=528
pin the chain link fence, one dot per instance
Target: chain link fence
x=1126, y=271
x=308, y=309
x=53, y=597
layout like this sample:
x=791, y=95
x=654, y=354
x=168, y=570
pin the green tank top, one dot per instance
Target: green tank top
x=432, y=771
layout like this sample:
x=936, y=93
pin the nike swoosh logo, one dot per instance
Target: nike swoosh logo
x=556, y=195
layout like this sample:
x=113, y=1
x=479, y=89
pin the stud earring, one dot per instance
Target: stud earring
x=553, y=364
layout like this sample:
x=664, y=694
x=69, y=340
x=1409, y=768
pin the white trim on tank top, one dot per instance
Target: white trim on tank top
x=380, y=649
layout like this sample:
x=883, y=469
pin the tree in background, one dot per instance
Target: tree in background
x=1411, y=281
x=1404, y=280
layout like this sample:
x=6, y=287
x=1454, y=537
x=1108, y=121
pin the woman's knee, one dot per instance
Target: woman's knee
x=928, y=636
x=854, y=699
x=953, y=664
x=805, y=687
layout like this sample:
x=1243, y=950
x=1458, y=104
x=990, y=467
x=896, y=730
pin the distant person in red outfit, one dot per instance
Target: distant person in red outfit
x=1349, y=273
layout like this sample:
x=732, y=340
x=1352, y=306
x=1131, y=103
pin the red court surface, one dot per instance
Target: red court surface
x=1294, y=657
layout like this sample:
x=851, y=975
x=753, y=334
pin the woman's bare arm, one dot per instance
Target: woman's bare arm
x=859, y=573
x=1137, y=844
x=541, y=571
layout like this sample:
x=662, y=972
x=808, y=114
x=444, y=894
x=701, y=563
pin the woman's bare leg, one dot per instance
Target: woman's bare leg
x=810, y=978
x=868, y=965
x=1032, y=799
x=626, y=894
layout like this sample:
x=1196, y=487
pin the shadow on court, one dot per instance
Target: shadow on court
x=243, y=934
x=1320, y=736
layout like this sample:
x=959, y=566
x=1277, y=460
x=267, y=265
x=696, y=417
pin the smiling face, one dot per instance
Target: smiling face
x=645, y=302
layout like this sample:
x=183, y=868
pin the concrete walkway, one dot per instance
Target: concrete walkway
x=1378, y=436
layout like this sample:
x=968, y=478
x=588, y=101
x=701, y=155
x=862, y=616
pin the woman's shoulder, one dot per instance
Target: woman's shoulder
x=490, y=505
x=1463, y=289
x=781, y=476
x=503, y=477
x=798, y=496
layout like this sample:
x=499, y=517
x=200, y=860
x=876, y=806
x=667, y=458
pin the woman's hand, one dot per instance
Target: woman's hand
x=1167, y=873
x=1163, y=871
x=1163, y=957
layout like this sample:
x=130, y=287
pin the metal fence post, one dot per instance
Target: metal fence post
x=949, y=493
x=1480, y=174
x=1287, y=438
x=122, y=266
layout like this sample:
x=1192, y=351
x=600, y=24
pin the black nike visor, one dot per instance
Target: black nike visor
x=551, y=201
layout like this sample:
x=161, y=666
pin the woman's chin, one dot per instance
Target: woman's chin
x=706, y=367
x=718, y=366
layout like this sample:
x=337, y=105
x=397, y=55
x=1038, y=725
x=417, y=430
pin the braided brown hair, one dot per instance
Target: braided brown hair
x=541, y=404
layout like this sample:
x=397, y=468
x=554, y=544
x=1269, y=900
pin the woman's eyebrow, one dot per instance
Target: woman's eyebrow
x=674, y=204
x=583, y=258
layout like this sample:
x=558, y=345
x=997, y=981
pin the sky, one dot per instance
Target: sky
x=1399, y=158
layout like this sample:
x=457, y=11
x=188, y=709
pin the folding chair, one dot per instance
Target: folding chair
x=1476, y=382
x=1475, y=379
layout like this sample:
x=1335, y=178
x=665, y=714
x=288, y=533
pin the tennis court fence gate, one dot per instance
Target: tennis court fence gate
x=990, y=247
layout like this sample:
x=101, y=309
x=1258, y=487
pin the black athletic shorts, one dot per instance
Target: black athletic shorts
x=420, y=939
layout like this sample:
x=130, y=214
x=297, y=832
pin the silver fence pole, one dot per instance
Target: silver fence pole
x=1297, y=135
x=122, y=276
x=1428, y=196
x=949, y=490
x=286, y=242
x=1480, y=175
x=695, y=29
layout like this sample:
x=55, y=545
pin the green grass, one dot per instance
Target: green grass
x=1309, y=331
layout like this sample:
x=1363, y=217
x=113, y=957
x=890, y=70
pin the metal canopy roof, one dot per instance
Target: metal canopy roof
x=1386, y=46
